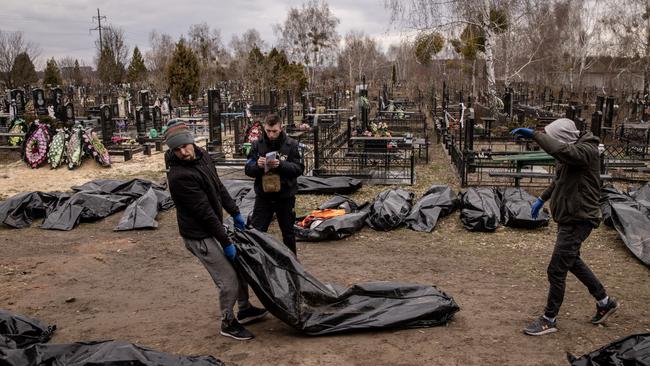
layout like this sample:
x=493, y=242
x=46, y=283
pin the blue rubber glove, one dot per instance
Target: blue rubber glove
x=239, y=222
x=230, y=252
x=534, y=209
x=523, y=132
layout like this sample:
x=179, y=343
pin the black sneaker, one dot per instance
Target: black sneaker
x=235, y=330
x=251, y=314
x=602, y=313
x=541, y=326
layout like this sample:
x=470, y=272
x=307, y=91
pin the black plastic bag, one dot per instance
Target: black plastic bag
x=338, y=227
x=303, y=302
x=20, y=210
x=609, y=194
x=91, y=201
x=516, y=208
x=237, y=189
x=438, y=201
x=341, y=185
x=141, y=214
x=101, y=353
x=18, y=331
x=642, y=195
x=480, y=210
x=389, y=209
x=633, y=226
x=85, y=206
x=632, y=350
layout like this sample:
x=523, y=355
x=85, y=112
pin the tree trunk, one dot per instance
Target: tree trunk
x=474, y=79
x=489, y=60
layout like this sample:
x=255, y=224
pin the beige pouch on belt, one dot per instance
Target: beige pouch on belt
x=271, y=182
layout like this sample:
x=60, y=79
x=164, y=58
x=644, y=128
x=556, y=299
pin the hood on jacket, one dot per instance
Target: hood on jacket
x=563, y=130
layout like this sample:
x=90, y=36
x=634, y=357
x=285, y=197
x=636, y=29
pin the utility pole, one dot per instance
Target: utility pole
x=99, y=28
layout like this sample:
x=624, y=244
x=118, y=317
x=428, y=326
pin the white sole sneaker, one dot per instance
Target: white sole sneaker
x=251, y=319
x=544, y=332
x=236, y=337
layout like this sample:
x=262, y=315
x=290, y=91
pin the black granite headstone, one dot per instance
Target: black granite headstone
x=40, y=104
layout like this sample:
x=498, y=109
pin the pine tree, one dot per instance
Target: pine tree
x=183, y=72
x=137, y=71
x=110, y=71
x=23, y=71
x=52, y=74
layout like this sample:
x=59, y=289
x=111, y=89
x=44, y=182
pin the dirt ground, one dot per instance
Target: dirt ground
x=145, y=287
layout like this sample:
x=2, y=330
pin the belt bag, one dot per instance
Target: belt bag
x=271, y=183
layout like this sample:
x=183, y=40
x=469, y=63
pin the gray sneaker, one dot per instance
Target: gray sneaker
x=541, y=326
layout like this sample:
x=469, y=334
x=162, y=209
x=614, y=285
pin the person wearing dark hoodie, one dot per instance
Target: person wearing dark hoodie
x=200, y=199
x=574, y=200
x=276, y=163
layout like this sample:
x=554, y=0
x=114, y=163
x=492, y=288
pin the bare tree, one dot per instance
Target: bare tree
x=629, y=34
x=309, y=36
x=66, y=65
x=360, y=56
x=158, y=57
x=450, y=16
x=206, y=44
x=112, y=59
x=241, y=48
x=11, y=45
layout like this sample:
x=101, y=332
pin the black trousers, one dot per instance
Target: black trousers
x=284, y=210
x=566, y=258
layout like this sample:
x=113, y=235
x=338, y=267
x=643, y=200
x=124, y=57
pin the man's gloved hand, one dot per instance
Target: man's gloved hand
x=239, y=221
x=523, y=132
x=230, y=252
x=537, y=205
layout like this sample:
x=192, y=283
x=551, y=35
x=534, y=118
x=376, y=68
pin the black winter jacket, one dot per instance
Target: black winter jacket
x=199, y=196
x=291, y=165
x=575, y=192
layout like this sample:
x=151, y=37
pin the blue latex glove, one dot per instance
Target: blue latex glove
x=523, y=132
x=239, y=222
x=230, y=252
x=534, y=212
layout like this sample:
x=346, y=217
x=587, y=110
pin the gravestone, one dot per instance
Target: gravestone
x=214, y=118
x=140, y=121
x=157, y=118
x=56, y=100
x=40, y=104
x=69, y=114
x=106, y=120
x=17, y=97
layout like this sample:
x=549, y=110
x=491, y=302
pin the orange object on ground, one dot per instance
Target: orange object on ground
x=322, y=215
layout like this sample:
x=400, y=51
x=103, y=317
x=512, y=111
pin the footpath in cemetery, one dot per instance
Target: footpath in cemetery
x=145, y=287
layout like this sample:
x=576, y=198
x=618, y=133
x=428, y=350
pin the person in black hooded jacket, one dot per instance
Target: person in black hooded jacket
x=276, y=180
x=200, y=197
x=574, y=198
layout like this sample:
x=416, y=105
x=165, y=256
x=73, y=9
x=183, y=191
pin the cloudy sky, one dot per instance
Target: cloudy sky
x=61, y=27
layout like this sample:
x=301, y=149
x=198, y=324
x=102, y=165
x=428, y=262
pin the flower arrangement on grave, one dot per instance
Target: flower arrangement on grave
x=74, y=147
x=94, y=147
x=36, y=143
x=56, y=151
x=18, y=126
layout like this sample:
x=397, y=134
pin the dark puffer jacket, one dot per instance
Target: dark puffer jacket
x=291, y=165
x=199, y=196
x=575, y=191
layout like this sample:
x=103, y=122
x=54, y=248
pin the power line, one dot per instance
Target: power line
x=99, y=28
